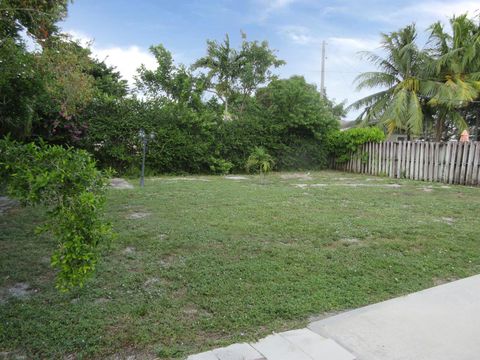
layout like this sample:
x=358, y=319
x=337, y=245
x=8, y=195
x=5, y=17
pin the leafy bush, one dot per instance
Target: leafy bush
x=69, y=184
x=342, y=144
x=289, y=118
x=259, y=161
x=299, y=120
x=183, y=143
x=220, y=166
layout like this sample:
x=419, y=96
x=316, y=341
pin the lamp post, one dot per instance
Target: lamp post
x=144, y=139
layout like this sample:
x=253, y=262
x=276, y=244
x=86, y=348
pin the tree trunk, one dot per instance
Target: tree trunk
x=477, y=124
x=226, y=114
x=439, y=129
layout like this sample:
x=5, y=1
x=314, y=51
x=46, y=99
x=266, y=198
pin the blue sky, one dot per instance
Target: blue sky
x=122, y=31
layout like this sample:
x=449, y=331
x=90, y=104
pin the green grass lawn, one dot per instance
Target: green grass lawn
x=200, y=264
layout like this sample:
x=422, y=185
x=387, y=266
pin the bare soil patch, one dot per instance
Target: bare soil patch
x=19, y=290
x=137, y=215
x=7, y=204
x=299, y=176
x=235, y=177
x=119, y=183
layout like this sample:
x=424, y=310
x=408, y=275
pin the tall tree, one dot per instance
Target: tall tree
x=169, y=81
x=399, y=105
x=38, y=17
x=455, y=71
x=234, y=75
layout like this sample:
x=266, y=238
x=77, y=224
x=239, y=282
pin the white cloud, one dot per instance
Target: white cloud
x=298, y=34
x=125, y=59
x=441, y=10
x=277, y=4
x=353, y=44
x=265, y=8
x=426, y=13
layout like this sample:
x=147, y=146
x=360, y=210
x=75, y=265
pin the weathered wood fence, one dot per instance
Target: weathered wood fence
x=452, y=162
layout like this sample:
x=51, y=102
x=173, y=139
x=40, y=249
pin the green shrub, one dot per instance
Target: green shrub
x=289, y=118
x=259, y=161
x=67, y=182
x=343, y=144
x=220, y=166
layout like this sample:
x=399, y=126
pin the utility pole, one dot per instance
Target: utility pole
x=322, y=81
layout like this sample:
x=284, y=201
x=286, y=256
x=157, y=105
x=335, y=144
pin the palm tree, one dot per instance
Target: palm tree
x=223, y=64
x=453, y=71
x=399, y=105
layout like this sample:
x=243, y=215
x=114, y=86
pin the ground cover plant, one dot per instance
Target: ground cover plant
x=206, y=261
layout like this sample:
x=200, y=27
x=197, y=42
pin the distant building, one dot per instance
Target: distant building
x=397, y=137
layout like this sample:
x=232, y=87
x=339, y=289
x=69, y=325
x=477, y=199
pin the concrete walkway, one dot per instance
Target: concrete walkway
x=440, y=323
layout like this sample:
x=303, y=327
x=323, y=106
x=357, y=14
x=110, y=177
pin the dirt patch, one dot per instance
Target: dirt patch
x=375, y=185
x=448, y=220
x=349, y=241
x=427, y=189
x=345, y=242
x=179, y=293
x=129, y=250
x=19, y=290
x=298, y=176
x=101, y=300
x=235, y=177
x=16, y=355
x=162, y=237
x=137, y=215
x=181, y=179
x=303, y=186
x=119, y=183
x=6, y=204
x=151, y=282
x=191, y=312
x=171, y=260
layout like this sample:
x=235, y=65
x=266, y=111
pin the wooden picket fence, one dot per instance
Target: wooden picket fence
x=451, y=162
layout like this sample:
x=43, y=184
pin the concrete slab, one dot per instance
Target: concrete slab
x=316, y=346
x=275, y=347
x=441, y=323
x=241, y=351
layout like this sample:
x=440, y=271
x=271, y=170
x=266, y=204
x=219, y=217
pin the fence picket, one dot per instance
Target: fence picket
x=421, y=162
x=436, y=165
x=475, y=178
x=463, y=169
x=447, y=161
x=458, y=163
x=471, y=155
x=453, y=163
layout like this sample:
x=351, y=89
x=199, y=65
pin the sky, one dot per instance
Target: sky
x=121, y=31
